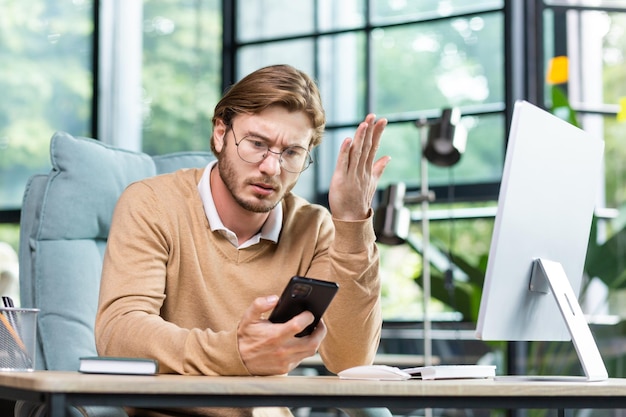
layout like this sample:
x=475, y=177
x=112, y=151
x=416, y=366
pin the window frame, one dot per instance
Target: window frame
x=484, y=191
x=13, y=216
x=524, y=71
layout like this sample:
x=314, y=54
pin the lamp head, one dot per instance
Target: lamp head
x=446, y=139
x=391, y=219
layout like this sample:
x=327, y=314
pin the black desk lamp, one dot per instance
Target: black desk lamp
x=446, y=139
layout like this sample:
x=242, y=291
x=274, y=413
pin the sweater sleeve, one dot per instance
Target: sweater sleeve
x=130, y=318
x=354, y=319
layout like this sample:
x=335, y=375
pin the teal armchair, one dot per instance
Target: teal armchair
x=65, y=220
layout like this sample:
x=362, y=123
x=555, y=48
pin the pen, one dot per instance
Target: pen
x=8, y=303
x=12, y=331
x=11, y=326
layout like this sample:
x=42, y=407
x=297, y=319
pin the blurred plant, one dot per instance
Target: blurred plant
x=607, y=260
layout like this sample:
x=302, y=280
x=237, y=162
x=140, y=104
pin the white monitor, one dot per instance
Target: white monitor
x=550, y=184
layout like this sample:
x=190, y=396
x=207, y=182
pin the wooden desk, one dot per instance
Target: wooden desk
x=59, y=389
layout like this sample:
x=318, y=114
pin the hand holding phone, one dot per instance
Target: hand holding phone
x=304, y=294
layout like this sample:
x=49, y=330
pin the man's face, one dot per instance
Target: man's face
x=260, y=186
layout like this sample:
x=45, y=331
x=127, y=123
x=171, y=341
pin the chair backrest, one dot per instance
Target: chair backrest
x=65, y=222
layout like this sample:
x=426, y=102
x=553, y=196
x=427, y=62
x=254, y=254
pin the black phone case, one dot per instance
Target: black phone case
x=304, y=294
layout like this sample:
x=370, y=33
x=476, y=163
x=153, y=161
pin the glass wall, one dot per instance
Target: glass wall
x=407, y=60
x=400, y=60
x=593, y=37
x=597, y=83
x=404, y=61
x=157, y=76
x=181, y=73
x=46, y=85
x=46, y=79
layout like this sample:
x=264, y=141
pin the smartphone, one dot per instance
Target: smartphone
x=304, y=294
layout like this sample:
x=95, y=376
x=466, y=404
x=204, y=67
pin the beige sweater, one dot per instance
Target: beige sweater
x=174, y=291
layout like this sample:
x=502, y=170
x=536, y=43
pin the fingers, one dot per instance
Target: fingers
x=260, y=308
x=357, y=173
x=319, y=333
x=372, y=137
x=377, y=134
x=343, y=161
x=379, y=167
x=362, y=143
x=360, y=152
x=270, y=349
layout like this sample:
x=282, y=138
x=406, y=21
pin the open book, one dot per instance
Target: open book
x=452, y=371
x=391, y=373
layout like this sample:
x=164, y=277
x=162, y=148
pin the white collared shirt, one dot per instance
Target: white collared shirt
x=270, y=230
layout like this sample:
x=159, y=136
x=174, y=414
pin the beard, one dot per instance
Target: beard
x=258, y=203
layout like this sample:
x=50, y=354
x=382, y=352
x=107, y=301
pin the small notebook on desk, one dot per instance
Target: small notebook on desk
x=118, y=365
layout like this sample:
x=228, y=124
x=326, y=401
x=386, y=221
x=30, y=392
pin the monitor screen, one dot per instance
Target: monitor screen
x=550, y=185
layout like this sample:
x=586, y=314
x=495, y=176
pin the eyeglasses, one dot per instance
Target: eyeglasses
x=253, y=150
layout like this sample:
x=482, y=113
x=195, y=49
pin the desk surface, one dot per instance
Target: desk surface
x=74, y=382
x=177, y=390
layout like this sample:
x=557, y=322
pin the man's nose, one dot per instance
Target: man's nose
x=271, y=164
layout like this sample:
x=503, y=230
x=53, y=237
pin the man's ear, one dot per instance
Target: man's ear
x=219, y=135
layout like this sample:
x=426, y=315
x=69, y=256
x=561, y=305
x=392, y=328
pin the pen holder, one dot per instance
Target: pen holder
x=18, y=338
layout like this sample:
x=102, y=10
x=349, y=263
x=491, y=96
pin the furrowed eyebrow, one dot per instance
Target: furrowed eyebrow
x=267, y=139
x=257, y=136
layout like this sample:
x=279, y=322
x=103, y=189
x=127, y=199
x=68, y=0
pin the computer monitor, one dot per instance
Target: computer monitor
x=550, y=183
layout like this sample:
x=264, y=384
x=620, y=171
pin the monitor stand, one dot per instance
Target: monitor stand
x=549, y=276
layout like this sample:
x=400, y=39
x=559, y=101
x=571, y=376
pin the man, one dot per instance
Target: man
x=196, y=259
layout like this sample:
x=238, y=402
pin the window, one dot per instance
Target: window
x=404, y=61
x=161, y=62
x=46, y=83
x=400, y=60
x=48, y=79
x=181, y=74
x=152, y=86
x=593, y=36
x=407, y=60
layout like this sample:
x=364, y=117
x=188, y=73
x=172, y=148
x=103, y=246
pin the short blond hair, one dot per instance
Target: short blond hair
x=275, y=85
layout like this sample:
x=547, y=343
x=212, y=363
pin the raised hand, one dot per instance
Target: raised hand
x=356, y=175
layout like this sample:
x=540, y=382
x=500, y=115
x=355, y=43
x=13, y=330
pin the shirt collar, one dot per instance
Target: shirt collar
x=270, y=230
